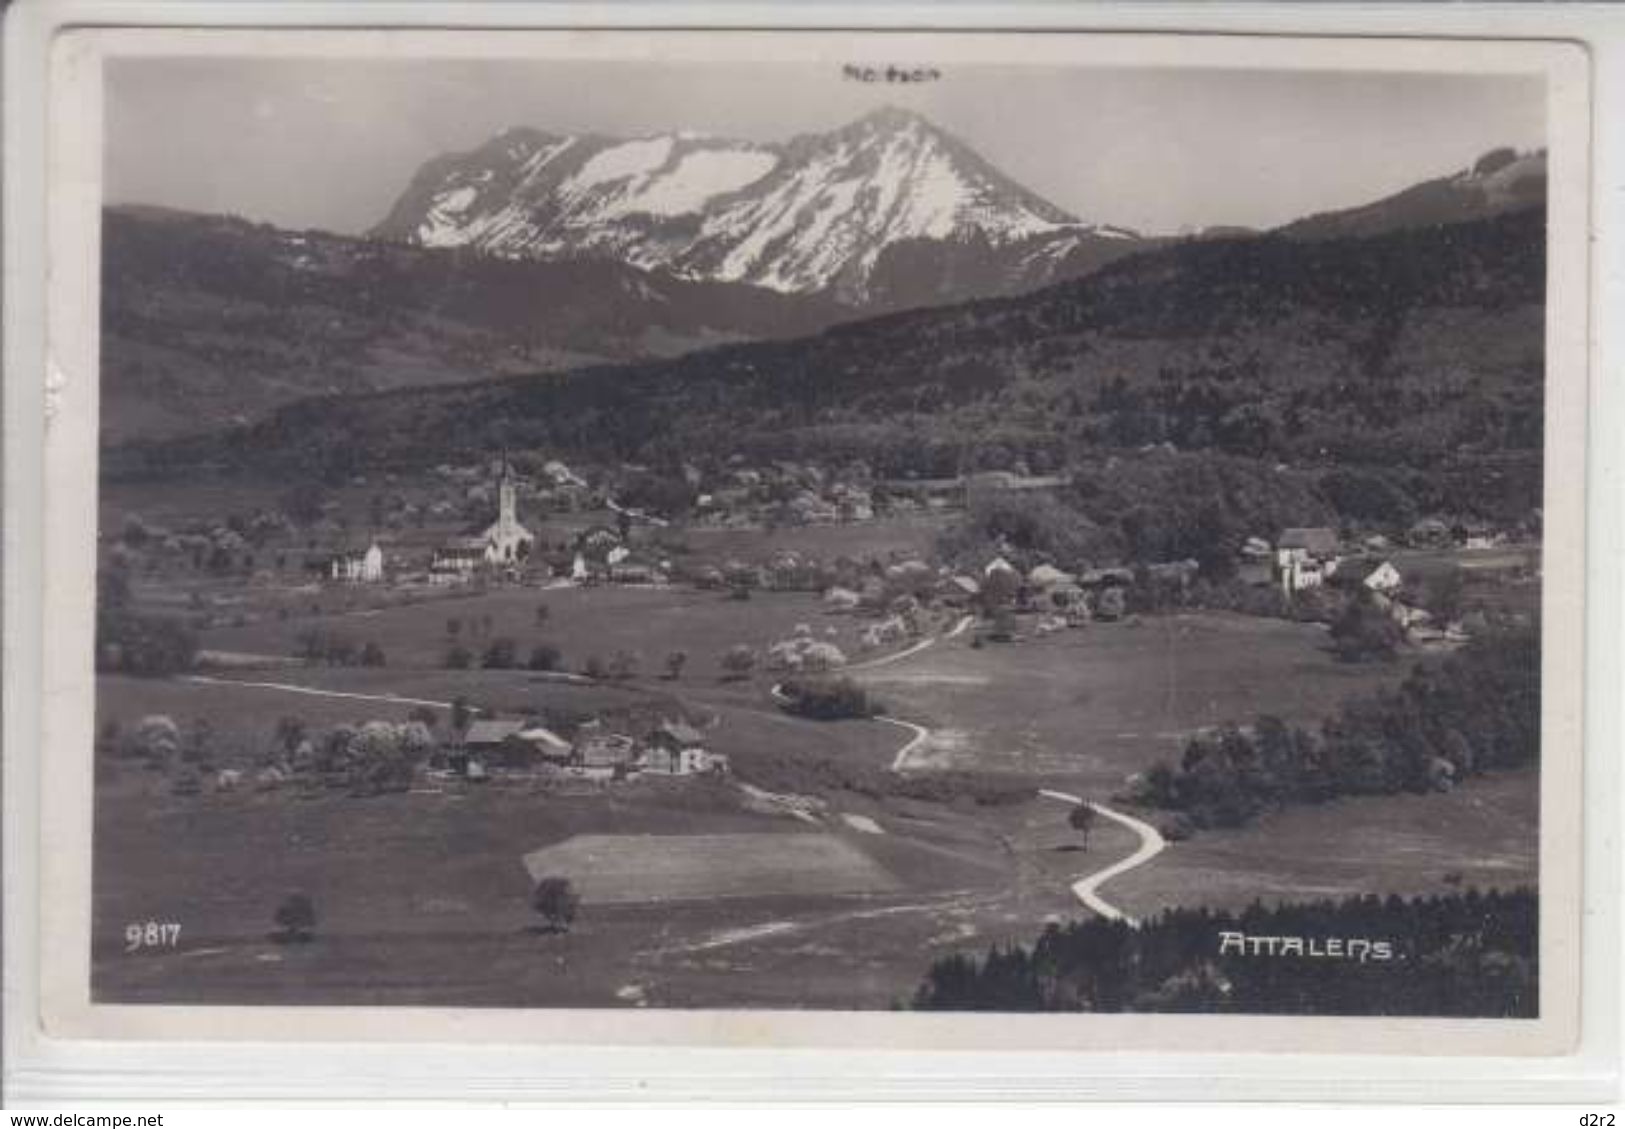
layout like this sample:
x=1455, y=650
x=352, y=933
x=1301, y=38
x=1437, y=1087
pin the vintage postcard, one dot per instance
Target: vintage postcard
x=976, y=540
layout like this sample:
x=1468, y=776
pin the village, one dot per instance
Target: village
x=554, y=531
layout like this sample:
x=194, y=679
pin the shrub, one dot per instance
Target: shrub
x=595, y=668
x=738, y=661
x=372, y=654
x=545, y=656
x=500, y=654
x=295, y=919
x=155, y=738
x=458, y=657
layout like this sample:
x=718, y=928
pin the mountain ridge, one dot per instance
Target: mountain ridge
x=813, y=213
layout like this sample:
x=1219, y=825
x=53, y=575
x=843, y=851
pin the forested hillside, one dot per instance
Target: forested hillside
x=1417, y=350
x=1466, y=955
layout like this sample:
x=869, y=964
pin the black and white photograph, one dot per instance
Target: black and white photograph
x=665, y=525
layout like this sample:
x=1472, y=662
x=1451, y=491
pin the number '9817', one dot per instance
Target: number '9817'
x=151, y=935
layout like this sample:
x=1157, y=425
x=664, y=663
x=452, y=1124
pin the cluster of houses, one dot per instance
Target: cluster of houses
x=1304, y=559
x=502, y=547
x=671, y=748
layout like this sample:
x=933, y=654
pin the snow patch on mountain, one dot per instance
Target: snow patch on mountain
x=703, y=174
x=630, y=159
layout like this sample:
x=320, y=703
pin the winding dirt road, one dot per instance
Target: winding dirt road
x=1085, y=888
x=1151, y=845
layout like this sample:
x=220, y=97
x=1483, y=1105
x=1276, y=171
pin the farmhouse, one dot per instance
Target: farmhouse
x=457, y=560
x=1429, y=533
x=1372, y=573
x=598, y=752
x=481, y=744
x=676, y=748
x=1305, y=558
x=1046, y=576
x=958, y=591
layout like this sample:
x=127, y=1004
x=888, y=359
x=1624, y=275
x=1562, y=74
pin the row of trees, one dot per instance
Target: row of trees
x=1474, y=711
x=553, y=898
x=1464, y=955
x=321, y=646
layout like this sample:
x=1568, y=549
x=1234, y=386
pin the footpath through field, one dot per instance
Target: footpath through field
x=292, y=688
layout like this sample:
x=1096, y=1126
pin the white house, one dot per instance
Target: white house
x=1372, y=573
x=676, y=748
x=1305, y=558
x=357, y=566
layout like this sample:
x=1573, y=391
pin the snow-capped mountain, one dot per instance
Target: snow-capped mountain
x=817, y=213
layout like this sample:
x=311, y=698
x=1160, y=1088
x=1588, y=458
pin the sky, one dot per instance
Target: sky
x=330, y=144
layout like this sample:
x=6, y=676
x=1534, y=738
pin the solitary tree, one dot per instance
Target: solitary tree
x=738, y=661
x=542, y=614
x=675, y=663
x=623, y=665
x=1081, y=819
x=296, y=918
x=554, y=899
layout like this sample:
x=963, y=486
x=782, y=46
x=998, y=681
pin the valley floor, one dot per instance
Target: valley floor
x=423, y=896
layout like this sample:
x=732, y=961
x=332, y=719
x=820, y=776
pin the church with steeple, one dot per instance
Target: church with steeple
x=502, y=544
x=506, y=540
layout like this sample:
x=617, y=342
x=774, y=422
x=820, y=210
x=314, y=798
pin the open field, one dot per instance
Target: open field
x=581, y=622
x=608, y=869
x=913, y=535
x=698, y=895
x=443, y=916
x=1091, y=706
x=1482, y=834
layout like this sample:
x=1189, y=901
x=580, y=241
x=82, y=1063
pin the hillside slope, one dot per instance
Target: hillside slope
x=211, y=321
x=1419, y=348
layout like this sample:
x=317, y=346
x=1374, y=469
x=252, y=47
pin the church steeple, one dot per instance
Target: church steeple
x=507, y=508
